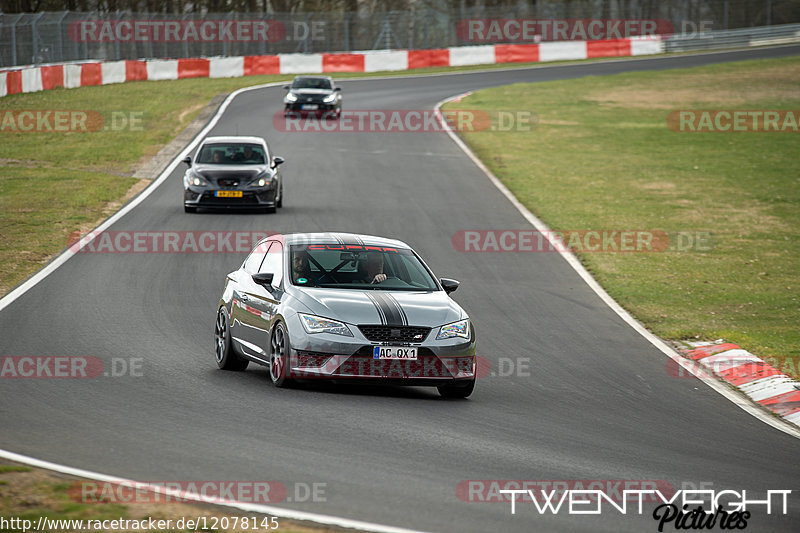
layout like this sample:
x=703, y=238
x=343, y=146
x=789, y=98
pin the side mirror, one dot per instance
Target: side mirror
x=188, y=160
x=277, y=160
x=286, y=87
x=264, y=279
x=449, y=285
x=337, y=89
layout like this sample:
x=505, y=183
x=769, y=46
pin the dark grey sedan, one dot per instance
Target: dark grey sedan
x=233, y=172
x=345, y=307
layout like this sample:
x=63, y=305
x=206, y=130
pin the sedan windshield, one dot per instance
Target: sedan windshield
x=231, y=154
x=311, y=83
x=359, y=267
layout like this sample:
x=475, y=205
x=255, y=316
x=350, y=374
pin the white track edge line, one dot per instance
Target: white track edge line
x=249, y=507
x=572, y=260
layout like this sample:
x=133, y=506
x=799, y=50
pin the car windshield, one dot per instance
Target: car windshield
x=231, y=154
x=356, y=267
x=311, y=83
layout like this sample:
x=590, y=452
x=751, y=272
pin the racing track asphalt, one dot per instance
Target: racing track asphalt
x=599, y=403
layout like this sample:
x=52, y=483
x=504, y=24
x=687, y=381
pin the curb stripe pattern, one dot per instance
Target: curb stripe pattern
x=760, y=381
x=71, y=75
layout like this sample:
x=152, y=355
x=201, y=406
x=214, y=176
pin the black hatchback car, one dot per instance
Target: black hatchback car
x=233, y=172
x=317, y=95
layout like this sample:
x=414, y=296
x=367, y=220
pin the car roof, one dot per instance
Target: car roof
x=313, y=77
x=235, y=139
x=352, y=239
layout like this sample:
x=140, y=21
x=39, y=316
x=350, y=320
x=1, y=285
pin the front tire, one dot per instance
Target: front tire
x=457, y=390
x=227, y=358
x=279, y=350
x=189, y=209
x=279, y=203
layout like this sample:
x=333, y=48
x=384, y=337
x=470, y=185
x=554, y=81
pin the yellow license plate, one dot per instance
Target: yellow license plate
x=228, y=194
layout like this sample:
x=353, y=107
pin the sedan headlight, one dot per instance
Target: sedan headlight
x=261, y=182
x=331, y=98
x=195, y=180
x=456, y=329
x=317, y=324
x=291, y=97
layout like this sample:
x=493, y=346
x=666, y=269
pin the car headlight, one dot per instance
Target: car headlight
x=291, y=97
x=195, y=180
x=261, y=182
x=331, y=98
x=317, y=324
x=456, y=329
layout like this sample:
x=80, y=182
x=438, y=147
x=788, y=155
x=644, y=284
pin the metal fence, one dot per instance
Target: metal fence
x=716, y=40
x=49, y=37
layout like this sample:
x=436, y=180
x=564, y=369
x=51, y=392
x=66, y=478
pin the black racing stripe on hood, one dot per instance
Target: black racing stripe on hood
x=378, y=306
x=391, y=309
x=399, y=308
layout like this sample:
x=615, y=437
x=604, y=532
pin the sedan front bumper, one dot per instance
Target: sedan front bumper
x=249, y=199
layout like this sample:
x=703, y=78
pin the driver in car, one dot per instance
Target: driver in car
x=301, y=270
x=372, y=269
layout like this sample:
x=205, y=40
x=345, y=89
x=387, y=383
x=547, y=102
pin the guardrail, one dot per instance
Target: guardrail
x=72, y=75
x=741, y=38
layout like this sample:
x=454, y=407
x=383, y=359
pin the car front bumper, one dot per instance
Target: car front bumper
x=205, y=198
x=336, y=357
x=297, y=107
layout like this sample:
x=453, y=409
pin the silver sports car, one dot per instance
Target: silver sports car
x=344, y=307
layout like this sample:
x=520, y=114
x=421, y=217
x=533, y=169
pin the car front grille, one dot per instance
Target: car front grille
x=228, y=182
x=413, y=334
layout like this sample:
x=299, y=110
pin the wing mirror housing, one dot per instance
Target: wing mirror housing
x=264, y=279
x=188, y=161
x=277, y=161
x=449, y=285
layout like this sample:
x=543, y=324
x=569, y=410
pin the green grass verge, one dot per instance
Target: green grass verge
x=602, y=157
x=28, y=494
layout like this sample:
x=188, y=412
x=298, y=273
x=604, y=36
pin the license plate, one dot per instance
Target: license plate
x=394, y=352
x=228, y=194
x=310, y=107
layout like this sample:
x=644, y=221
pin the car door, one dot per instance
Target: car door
x=245, y=321
x=260, y=303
